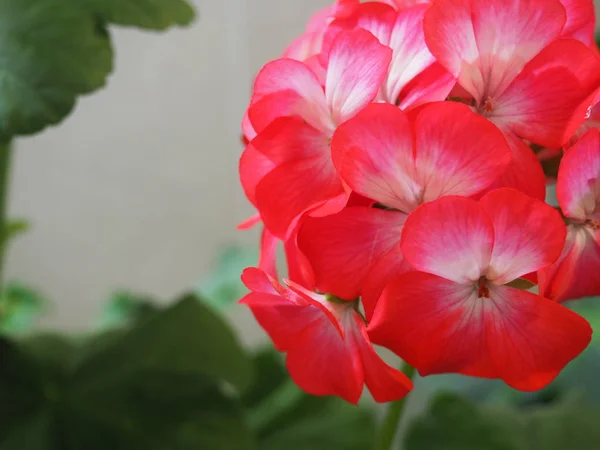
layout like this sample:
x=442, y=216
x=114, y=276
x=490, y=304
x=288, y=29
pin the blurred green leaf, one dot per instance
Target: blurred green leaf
x=20, y=308
x=187, y=337
x=222, y=287
x=454, y=423
x=284, y=417
x=150, y=14
x=14, y=228
x=156, y=385
x=125, y=308
x=51, y=51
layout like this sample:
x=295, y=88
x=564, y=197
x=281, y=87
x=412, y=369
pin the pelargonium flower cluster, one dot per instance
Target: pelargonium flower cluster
x=395, y=151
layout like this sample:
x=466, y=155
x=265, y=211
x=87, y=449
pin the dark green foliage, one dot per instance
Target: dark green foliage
x=52, y=51
x=159, y=384
x=454, y=423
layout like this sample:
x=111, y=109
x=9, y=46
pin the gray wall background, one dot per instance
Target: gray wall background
x=138, y=188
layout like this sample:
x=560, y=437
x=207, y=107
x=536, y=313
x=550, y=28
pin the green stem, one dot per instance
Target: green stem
x=393, y=417
x=5, y=154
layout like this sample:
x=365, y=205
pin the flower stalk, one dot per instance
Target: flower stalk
x=5, y=164
x=393, y=417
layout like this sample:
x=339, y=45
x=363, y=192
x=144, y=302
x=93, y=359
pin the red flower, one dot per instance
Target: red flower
x=520, y=72
x=457, y=314
x=328, y=349
x=295, y=119
x=577, y=272
x=382, y=155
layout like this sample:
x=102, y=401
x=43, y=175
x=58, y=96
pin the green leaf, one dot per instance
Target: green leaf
x=14, y=228
x=51, y=51
x=187, y=337
x=150, y=14
x=20, y=308
x=454, y=423
x=125, y=308
x=154, y=385
x=223, y=287
x=284, y=417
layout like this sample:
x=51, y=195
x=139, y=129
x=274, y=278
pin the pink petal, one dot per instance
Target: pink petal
x=374, y=17
x=385, y=383
x=581, y=17
x=253, y=166
x=299, y=268
x=410, y=53
x=528, y=234
x=293, y=189
x=576, y=274
x=486, y=43
x=357, y=66
x=578, y=185
x=373, y=153
x=267, y=259
x=322, y=363
x=524, y=339
x=439, y=333
x=433, y=84
x=342, y=248
x=531, y=339
x=304, y=178
x=249, y=222
x=247, y=128
x=525, y=173
x=385, y=269
x=287, y=87
x=458, y=152
x=451, y=237
x=289, y=139
x=542, y=102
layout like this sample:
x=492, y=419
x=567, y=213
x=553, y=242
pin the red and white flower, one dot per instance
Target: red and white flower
x=326, y=342
x=519, y=71
x=577, y=272
x=456, y=312
x=400, y=164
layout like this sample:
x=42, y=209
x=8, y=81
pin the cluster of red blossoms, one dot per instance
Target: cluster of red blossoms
x=396, y=151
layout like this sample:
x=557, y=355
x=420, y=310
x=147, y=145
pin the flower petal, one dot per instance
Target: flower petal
x=524, y=173
x=319, y=358
x=451, y=237
x=528, y=234
x=410, y=53
x=524, y=339
x=253, y=166
x=531, y=339
x=385, y=269
x=385, y=383
x=578, y=185
x=322, y=363
x=581, y=17
x=542, y=104
x=433, y=84
x=438, y=333
x=342, y=248
x=457, y=152
x=486, y=43
x=267, y=259
x=286, y=87
x=304, y=179
x=357, y=66
x=373, y=153
x=576, y=274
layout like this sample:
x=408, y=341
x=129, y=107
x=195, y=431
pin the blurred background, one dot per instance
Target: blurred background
x=148, y=199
